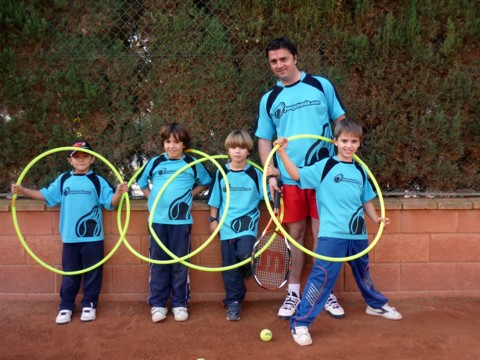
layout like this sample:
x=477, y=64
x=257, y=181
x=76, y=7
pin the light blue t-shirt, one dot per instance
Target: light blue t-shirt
x=306, y=107
x=246, y=192
x=175, y=203
x=81, y=197
x=341, y=190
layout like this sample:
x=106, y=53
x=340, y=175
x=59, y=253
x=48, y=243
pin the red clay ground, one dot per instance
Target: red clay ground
x=431, y=329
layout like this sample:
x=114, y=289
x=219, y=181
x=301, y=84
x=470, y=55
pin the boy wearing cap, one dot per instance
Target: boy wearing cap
x=81, y=195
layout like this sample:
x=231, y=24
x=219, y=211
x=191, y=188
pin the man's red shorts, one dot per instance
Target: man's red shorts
x=298, y=203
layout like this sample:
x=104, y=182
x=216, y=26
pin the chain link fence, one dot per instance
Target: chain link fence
x=113, y=72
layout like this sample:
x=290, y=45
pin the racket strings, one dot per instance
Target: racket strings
x=272, y=267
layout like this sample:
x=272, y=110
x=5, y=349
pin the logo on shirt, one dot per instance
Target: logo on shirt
x=282, y=108
x=90, y=225
x=339, y=178
x=246, y=222
x=236, y=188
x=68, y=191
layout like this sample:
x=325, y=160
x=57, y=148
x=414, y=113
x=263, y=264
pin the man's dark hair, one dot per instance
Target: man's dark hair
x=283, y=42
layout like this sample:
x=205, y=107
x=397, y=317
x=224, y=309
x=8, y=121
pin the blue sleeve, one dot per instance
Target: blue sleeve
x=203, y=175
x=52, y=194
x=144, y=176
x=265, y=127
x=368, y=193
x=215, y=196
x=335, y=108
x=106, y=194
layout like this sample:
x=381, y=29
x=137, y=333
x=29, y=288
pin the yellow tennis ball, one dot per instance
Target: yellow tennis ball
x=266, y=335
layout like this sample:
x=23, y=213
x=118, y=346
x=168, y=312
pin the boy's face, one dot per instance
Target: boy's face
x=283, y=65
x=347, y=145
x=173, y=148
x=238, y=155
x=81, y=162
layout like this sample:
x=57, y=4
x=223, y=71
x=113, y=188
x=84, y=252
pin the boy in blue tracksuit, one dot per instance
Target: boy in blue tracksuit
x=343, y=196
x=172, y=219
x=81, y=195
x=240, y=228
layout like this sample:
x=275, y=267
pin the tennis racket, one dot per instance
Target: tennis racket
x=271, y=266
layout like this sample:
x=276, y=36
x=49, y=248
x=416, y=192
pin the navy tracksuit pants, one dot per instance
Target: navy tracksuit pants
x=78, y=256
x=169, y=281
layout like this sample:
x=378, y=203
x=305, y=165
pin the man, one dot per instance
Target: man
x=298, y=104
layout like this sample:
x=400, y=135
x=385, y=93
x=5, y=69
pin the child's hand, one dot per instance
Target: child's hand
x=16, y=189
x=282, y=142
x=122, y=188
x=385, y=221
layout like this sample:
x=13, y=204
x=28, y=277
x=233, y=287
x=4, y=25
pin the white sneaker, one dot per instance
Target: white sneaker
x=180, y=313
x=333, y=308
x=289, y=306
x=88, y=314
x=159, y=313
x=64, y=317
x=301, y=336
x=387, y=311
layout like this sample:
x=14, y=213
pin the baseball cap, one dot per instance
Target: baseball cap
x=81, y=145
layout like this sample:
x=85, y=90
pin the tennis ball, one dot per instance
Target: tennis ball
x=266, y=335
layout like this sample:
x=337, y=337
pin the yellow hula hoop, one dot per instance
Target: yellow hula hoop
x=175, y=258
x=292, y=240
x=20, y=235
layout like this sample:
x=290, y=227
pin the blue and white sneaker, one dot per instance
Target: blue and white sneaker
x=387, y=311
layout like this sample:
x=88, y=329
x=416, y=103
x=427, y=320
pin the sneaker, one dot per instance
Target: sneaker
x=64, y=317
x=386, y=311
x=333, y=308
x=158, y=313
x=88, y=314
x=301, y=336
x=289, y=306
x=233, y=311
x=180, y=313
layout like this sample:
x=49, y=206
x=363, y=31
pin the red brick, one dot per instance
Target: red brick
x=7, y=227
x=137, y=224
x=422, y=221
x=25, y=279
x=122, y=255
x=468, y=221
x=427, y=277
x=11, y=251
x=36, y=223
x=48, y=248
x=130, y=279
x=202, y=281
x=467, y=276
x=455, y=247
x=399, y=248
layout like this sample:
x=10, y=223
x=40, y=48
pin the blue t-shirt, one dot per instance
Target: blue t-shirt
x=305, y=107
x=81, y=197
x=341, y=190
x=246, y=192
x=175, y=203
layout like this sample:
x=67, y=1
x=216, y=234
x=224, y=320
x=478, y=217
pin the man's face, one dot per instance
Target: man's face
x=283, y=65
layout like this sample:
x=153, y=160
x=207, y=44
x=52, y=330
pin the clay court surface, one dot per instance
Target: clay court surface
x=435, y=328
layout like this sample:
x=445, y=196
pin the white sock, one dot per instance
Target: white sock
x=295, y=288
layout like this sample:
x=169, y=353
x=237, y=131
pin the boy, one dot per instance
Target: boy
x=343, y=195
x=240, y=228
x=172, y=220
x=81, y=194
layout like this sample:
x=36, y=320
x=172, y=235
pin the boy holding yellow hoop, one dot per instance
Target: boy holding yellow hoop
x=344, y=195
x=172, y=220
x=239, y=231
x=81, y=195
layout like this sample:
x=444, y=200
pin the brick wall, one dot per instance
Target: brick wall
x=431, y=249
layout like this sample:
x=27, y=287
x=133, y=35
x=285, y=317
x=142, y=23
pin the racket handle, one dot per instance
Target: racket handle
x=278, y=195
